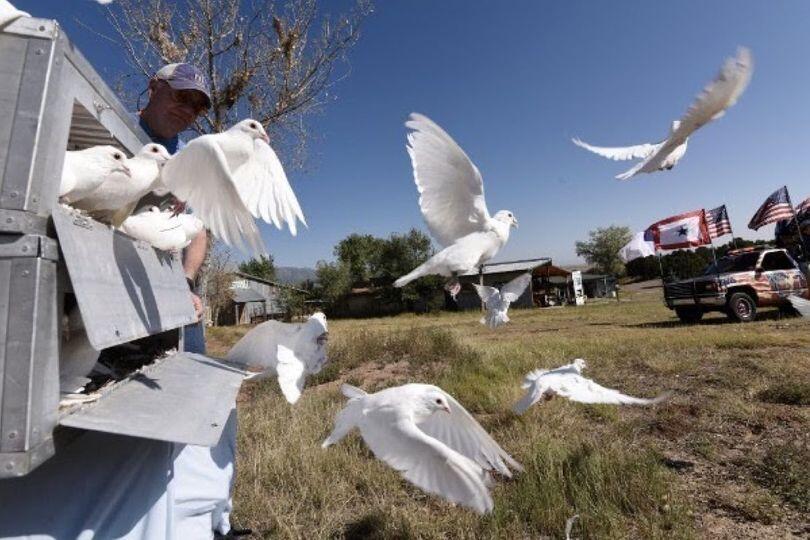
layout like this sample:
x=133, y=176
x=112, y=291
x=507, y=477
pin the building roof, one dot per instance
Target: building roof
x=526, y=265
x=268, y=282
x=240, y=296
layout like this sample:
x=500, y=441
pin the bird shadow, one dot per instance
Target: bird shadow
x=148, y=382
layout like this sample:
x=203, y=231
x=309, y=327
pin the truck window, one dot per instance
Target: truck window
x=737, y=263
x=777, y=260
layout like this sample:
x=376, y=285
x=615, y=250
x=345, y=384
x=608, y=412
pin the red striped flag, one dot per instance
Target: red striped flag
x=775, y=208
x=717, y=221
x=803, y=206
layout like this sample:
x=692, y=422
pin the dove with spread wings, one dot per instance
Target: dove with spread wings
x=711, y=104
x=451, y=198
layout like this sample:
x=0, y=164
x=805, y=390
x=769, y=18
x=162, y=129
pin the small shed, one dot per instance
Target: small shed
x=498, y=275
x=256, y=299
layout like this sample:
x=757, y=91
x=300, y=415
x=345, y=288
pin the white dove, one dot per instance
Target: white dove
x=802, y=305
x=84, y=170
x=424, y=433
x=290, y=351
x=163, y=229
x=451, y=197
x=498, y=302
x=567, y=381
x=230, y=177
x=76, y=356
x=709, y=105
x=117, y=196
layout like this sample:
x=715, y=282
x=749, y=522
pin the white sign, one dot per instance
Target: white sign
x=579, y=292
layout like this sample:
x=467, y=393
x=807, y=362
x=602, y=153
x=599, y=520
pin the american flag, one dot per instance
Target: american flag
x=718, y=222
x=775, y=208
x=803, y=206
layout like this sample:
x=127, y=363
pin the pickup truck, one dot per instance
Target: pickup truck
x=738, y=284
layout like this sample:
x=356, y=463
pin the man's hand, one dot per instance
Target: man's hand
x=198, y=305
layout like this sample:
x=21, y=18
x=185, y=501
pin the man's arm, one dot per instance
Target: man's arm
x=193, y=258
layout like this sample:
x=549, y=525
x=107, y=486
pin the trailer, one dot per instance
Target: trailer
x=128, y=292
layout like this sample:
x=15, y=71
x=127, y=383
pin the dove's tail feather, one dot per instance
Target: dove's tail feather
x=416, y=273
x=348, y=417
x=525, y=402
x=352, y=391
x=532, y=376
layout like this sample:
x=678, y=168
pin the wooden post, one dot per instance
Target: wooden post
x=481, y=282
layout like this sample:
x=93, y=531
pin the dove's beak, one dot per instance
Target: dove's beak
x=265, y=138
x=446, y=409
x=514, y=223
x=124, y=169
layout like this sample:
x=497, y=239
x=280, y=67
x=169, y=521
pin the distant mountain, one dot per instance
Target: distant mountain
x=293, y=274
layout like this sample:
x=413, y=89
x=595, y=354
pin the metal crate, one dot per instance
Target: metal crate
x=51, y=100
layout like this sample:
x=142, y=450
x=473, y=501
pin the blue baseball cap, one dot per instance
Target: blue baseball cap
x=184, y=76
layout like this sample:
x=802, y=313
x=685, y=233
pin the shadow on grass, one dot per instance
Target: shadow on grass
x=375, y=525
x=773, y=315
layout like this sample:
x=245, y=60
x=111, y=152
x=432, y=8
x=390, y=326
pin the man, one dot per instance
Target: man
x=178, y=94
x=203, y=477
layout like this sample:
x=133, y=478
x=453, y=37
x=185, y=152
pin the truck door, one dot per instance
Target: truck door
x=781, y=273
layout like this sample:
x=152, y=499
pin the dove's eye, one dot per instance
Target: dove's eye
x=154, y=150
x=117, y=156
x=438, y=401
x=253, y=125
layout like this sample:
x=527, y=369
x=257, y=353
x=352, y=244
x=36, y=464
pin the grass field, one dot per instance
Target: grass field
x=726, y=457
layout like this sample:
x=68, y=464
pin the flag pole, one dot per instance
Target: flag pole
x=798, y=228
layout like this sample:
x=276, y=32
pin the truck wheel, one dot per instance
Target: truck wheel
x=689, y=314
x=741, y=307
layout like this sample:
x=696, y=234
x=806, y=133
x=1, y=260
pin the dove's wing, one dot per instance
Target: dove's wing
x=512, y=290
x=711, y=104
x=535, y=388
x=259, y=346
x=461, y=432
x=717, y=96
x=290, y=373
x=451, y=190
x=578, y=388
x=264, y=188
x=802, y=305
x=199, y=175
x=619, y=153
x=427, y=463
x=486, y=293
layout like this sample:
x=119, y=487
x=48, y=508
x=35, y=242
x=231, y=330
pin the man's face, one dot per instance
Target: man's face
x=174, y=110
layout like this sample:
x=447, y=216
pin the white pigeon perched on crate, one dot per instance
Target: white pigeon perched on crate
x=84, y=170
x=802, y=305
x=424, y=433
x=76, y=355
x=163, y=229
x=710, y=104
x=567, y=381
x=451, y=198
x=290, y=351
x=498, y=301
x=231, y=177
x=117, y=196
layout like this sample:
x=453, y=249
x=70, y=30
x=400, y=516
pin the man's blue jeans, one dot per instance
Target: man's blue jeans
x=194, y=338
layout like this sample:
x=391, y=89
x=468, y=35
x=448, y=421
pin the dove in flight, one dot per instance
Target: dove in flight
x=290, y=351
x=228, y=179
x=498, y=302
x=567, y=381
x=163, y=229
x=425, y=434
x=802, y=305
x=451, y=198
x=85, y=170
x=118, y=194
x=710, y=104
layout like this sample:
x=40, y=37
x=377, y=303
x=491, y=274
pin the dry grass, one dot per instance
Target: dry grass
x=721, y=459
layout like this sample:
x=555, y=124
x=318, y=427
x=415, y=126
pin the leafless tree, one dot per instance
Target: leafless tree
x=274, y=62
x=216, y=281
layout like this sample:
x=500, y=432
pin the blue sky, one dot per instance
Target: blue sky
x=512, y=82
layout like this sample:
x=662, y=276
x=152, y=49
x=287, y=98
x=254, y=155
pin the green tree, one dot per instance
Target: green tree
x=602, y=249
x=361, y=255
x=333, y=281
x=262, y=267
